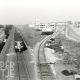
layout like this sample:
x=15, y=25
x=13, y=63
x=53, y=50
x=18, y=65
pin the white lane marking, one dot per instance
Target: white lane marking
x=11, y=54
x=10, y=67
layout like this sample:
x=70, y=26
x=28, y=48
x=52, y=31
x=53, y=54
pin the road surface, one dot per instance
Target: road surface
x=15, y=65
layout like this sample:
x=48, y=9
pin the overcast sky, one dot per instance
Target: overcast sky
x=26, y=11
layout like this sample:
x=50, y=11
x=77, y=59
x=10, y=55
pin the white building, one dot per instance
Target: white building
x=47, y=28
x=40, y=26
x=52, y=24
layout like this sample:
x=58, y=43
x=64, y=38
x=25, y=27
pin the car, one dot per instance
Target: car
x=20, y=46
x=52, y=39
x=68, y=72
x=48, y=43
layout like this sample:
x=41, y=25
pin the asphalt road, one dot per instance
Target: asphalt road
x=15, y=65
x=25, y=67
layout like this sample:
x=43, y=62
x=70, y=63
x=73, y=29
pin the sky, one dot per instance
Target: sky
x=27, y=11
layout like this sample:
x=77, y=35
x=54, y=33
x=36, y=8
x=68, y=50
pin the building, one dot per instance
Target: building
x=52, y=25
x=47, y=28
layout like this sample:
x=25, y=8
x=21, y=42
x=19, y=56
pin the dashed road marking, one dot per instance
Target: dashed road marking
x=11, y=54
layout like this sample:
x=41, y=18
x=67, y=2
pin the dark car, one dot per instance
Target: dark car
x=20, y=46
x=52, y=39
x=68, y=72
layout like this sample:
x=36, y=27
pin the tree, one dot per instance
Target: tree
x=8, y=29
x=1, y=26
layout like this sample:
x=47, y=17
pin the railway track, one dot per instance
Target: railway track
x=44, y=70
